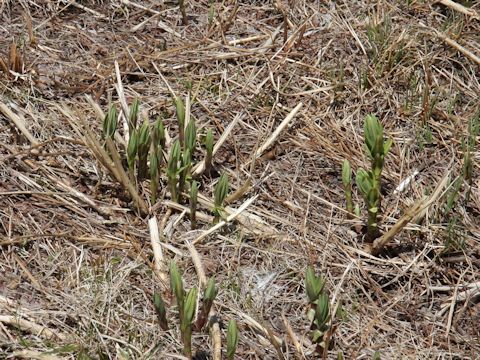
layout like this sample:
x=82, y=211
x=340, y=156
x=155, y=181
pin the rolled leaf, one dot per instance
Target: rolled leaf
x=346, y=173
x=232, y=339
x=133, y=116
x=190, y=136
x=176, y=285
x=221, y=190
x=160, y=310
x=322, y=311
x=313, y=284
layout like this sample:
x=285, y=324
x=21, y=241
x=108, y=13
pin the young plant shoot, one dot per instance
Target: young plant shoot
x=369, y=182
x=220, y=193
x=347, y=184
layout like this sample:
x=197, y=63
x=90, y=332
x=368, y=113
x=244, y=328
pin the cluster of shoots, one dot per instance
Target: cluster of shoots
x=147, y=155
x=319, y=312
x=189, y=318
x=369, y=182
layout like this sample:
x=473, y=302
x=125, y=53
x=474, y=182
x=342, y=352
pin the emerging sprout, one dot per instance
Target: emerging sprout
x=193, y=204
x=110, y=122
x=208, y=298
x=220, y=193
x=160, y=310
x=180, y=108
x=347, y=184
x=190, y=136
x=176, y=285
x=154, y=175
x=232, y=339
x=186, y=322
x=132, y=149
x=143, y=149
x=172, y=169
x=314, y=284
x=209, y=148
x=133, y=116
x=369, y=182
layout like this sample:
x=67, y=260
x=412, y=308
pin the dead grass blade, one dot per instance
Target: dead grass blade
x=18, y=122
x=460, y=8
x=411, y=213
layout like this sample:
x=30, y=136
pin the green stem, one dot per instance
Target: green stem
x=348, y=198
x=187, y=341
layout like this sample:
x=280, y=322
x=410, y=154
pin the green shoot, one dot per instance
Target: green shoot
x=232, y=339
x=154, y=176
x=159, y=130
x=369, y=182
x=314, y=284
x=160, y=310
x=180, y=108
x=469, y=147
x=176, y=285
x=208, y=298
x=110, y=122
x=155, y=158
x=184, y=171
x=193, y=204
x=186, y=321
x=347, y=184
x=190, y=136
x=220, y=193
x=144, y=141
x=132, y=149
x=133, y=116
x=172, y=170
x=319, y=313
x=209, y=148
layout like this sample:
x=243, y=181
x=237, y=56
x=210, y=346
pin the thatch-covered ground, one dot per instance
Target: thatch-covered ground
x=77, y=269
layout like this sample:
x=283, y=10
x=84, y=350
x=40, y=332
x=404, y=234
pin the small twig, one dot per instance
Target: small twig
x=224, y=222
x=293, y=336
x=460, y=8
x=278, y=130
x=174, y=205
x=256, y=325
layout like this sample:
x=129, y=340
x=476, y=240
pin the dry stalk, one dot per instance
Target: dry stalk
x=124, y=179
x=460, y=8
x=222, y=223
x=160, y=265
x=30, y=326
x=18, y=122
x=412, y=213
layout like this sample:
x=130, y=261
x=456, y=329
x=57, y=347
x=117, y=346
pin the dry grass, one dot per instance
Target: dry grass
x=76, y=262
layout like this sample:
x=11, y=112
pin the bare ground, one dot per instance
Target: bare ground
x=77, y=266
